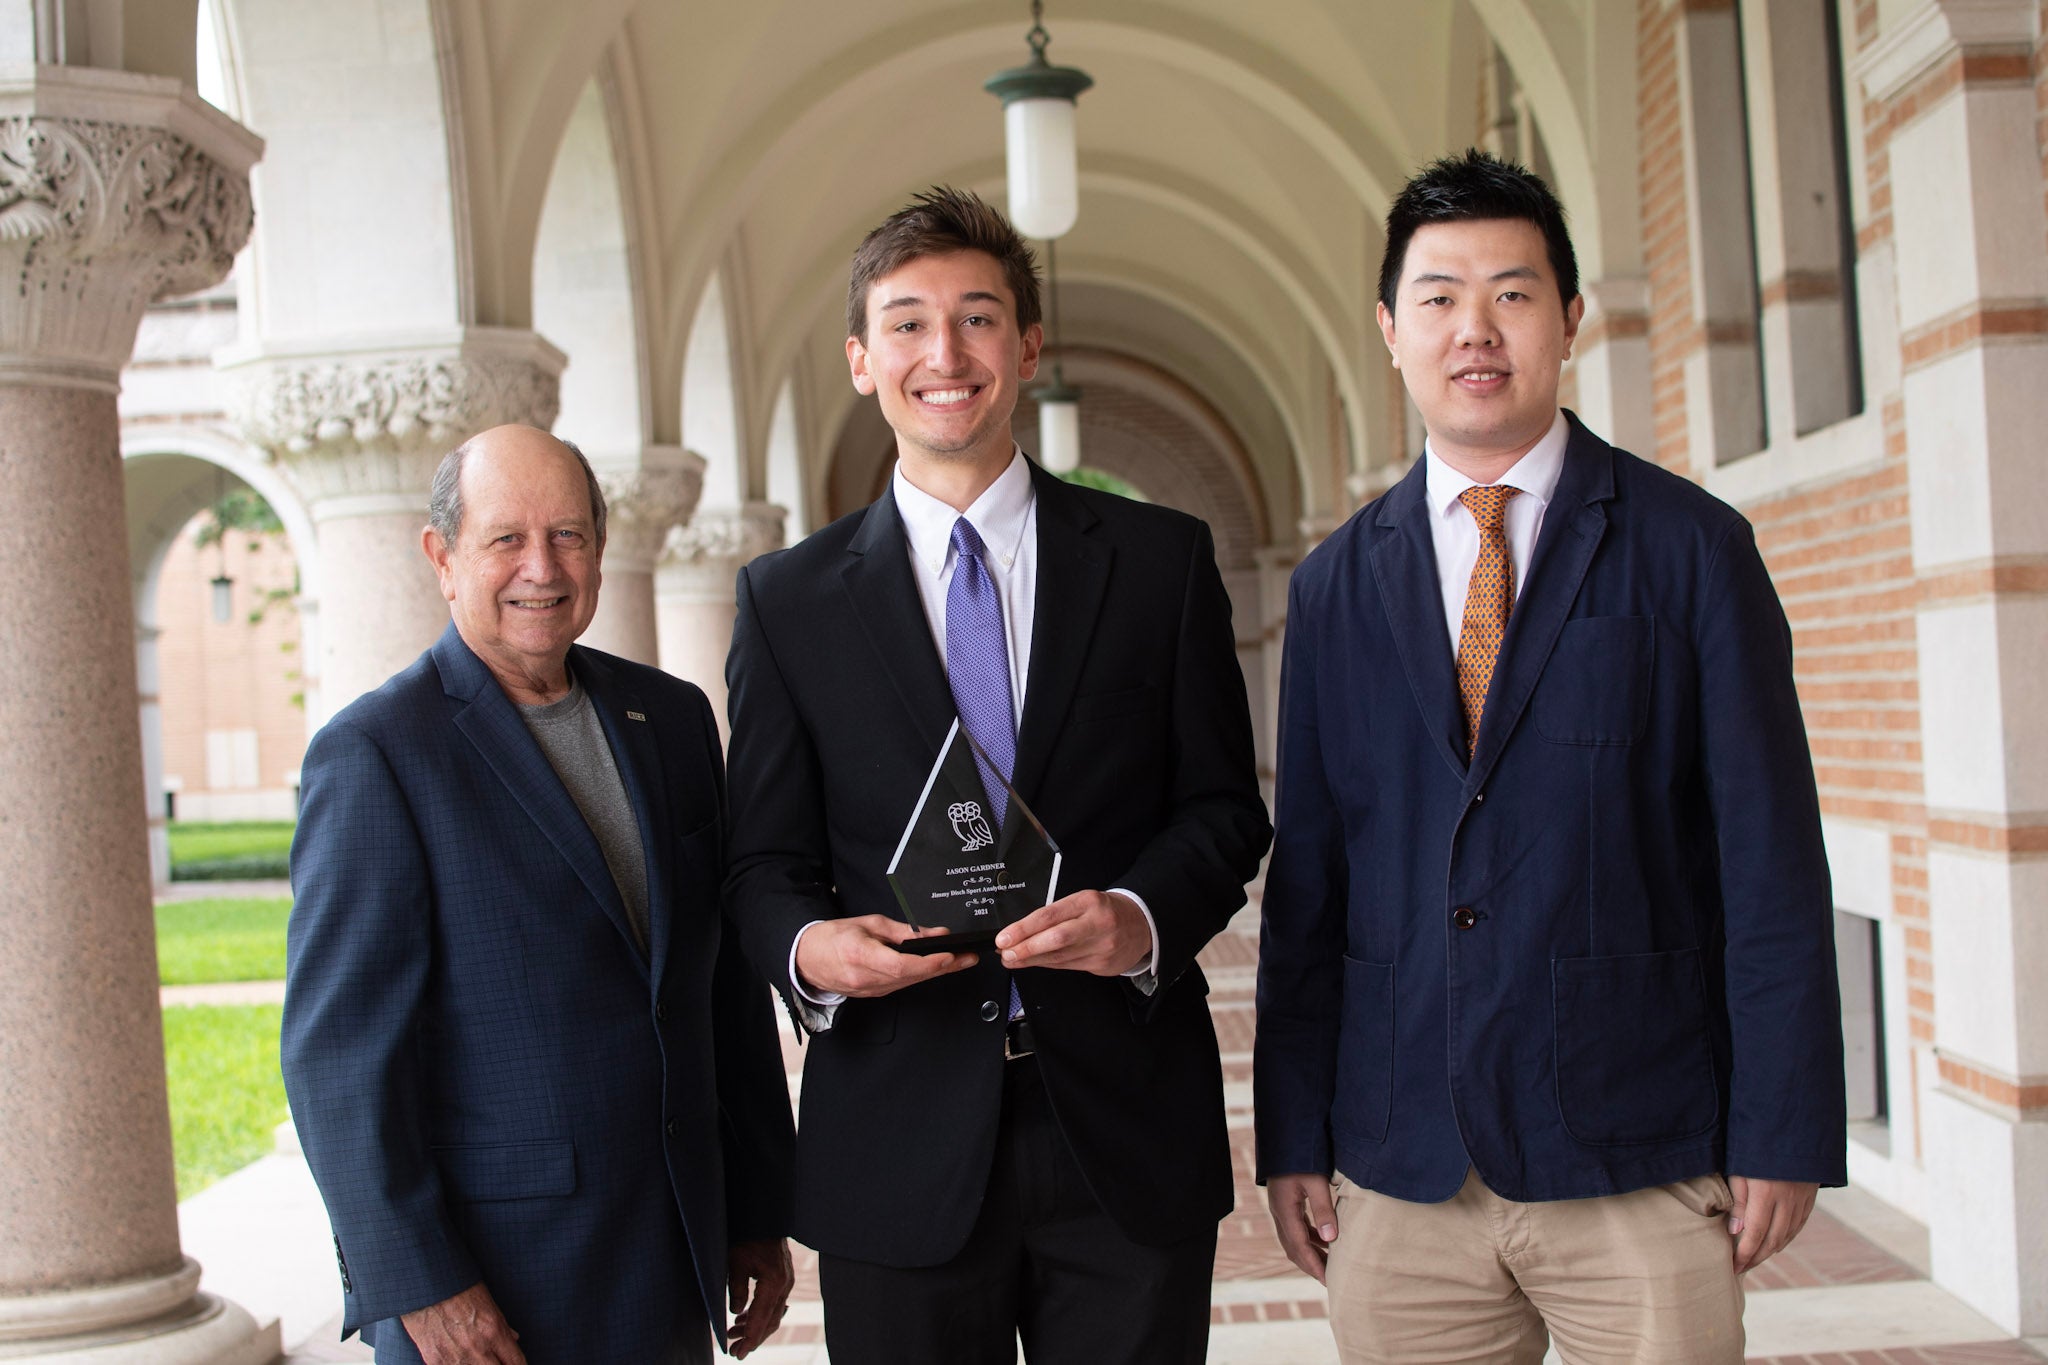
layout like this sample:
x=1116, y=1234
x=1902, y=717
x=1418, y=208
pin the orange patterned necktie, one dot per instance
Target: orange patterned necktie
x=1488, y=600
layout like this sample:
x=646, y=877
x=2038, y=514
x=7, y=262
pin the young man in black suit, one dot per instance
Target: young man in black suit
x=1028, y=1139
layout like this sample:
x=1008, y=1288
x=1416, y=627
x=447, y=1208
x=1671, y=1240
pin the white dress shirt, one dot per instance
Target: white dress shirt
x=1005, y=516
x=1456, y=535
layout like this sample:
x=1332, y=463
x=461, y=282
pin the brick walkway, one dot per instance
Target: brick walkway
x=1836, y=1297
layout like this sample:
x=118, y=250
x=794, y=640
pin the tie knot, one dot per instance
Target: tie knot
x=966, y=543
x=1488, y=504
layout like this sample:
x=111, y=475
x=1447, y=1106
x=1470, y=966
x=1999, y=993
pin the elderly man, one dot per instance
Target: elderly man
x=541, y=1095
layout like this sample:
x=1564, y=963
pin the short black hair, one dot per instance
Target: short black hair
x=1476, y=185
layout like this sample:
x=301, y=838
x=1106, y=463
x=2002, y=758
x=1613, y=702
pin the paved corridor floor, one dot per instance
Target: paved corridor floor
x=1851, y=1291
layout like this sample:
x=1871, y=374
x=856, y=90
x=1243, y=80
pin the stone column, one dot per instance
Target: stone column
x=1973, y=325
x=1276, y=570
x=359, y=429
x=694, y=590
x=1612, y=361
x=643, y=504
x=115, y=190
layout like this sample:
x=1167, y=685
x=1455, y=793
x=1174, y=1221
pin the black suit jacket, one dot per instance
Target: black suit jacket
x=1134, y=749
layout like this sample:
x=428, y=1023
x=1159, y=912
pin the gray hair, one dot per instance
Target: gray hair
x=444, y=496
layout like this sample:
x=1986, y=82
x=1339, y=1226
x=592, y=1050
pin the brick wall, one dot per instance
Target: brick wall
x=1666, y=239
x=1164, y=457
x=1839, y=551
x=2041, y=94
x=228, y=675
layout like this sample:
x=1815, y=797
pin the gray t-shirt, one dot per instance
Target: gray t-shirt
x=571, y=736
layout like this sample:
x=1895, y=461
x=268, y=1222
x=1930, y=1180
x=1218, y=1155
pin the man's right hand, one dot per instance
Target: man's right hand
x=467, y=1329
x=1304, y=1218
x=858, y=957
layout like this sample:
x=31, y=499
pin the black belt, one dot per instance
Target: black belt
x=1018, y=1042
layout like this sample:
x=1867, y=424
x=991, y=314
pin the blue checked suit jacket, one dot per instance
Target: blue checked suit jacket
x=489, y=1079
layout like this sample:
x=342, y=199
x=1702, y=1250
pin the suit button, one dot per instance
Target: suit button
x=671, y=1127
x=1478, y=798
x=989, y=1010
x=660, y=1012
x=1463, y=918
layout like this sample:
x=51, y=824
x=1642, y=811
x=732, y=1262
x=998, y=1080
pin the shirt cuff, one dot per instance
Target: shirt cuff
x=1145, y=976
x=816, y=1008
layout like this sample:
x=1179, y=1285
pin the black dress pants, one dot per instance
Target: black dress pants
x=1043, y=1262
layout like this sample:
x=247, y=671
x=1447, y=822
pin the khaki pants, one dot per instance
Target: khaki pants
x=1642, y=1277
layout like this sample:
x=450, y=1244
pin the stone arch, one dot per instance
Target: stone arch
x=783, y=478
x=583, y=295
x=170, y=474
x=1593, y=157
x=712, y=406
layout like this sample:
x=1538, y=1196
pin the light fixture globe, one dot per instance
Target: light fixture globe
x=1059, y=425
x=1038, y=139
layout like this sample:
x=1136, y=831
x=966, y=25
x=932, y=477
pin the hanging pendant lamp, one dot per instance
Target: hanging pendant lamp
x=1038, y=136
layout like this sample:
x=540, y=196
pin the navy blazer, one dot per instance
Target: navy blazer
x=1598, y=957
x=490, y=1080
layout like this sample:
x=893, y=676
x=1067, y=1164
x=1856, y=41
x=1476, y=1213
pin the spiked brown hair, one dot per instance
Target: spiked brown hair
x=938, y=222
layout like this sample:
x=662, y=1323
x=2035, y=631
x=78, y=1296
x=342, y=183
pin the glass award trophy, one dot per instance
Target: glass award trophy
x=955, y=870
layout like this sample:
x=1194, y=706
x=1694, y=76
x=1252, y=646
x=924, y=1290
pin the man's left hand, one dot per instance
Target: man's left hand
x=1766, y=1216
x=764, y=1266
x=1089, y=931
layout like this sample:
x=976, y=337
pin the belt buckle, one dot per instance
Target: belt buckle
x=1017, y=1041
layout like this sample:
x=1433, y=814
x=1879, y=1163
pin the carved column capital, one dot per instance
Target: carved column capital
x=703, y=555
x=361, y=425
x=115, y=190
x=643, y=504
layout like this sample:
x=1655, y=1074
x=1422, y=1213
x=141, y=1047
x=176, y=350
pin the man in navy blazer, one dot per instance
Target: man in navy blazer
x=1547, y=990
x=539, y=1088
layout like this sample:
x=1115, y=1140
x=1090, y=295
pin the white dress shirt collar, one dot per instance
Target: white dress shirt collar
x=999, y=516
x=1536, y=473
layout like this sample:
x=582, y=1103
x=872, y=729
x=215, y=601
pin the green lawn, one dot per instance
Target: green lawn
x=195, y=841
x=245, y=850
x=226, y=1093
x=221, y=940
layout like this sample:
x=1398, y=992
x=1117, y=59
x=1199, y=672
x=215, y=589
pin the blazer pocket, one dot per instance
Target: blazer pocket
x=480, y=1172
x=1596, y=684
x=1365, y=1052
x=1129, y=701
x=1634, y=1061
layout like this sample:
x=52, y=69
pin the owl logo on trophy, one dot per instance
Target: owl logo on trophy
x=971, y=825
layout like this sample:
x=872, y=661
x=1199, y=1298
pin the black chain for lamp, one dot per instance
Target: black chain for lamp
x=1038, y=37
x=1052, y=270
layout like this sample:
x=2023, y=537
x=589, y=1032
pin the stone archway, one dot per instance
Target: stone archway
x=169, y=476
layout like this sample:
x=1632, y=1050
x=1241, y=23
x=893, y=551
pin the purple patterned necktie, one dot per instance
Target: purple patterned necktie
x=978, y=668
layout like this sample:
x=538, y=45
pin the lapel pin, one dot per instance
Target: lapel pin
x=634, y=715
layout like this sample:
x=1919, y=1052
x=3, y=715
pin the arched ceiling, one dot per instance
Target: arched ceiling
x=1244, y=151
x=1236, y=161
